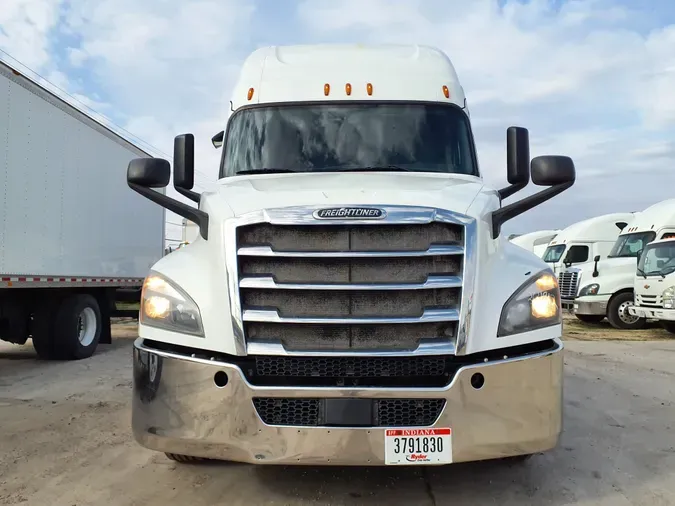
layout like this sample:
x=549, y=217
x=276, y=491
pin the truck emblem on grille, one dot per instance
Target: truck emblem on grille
x=646, y=287
x=350, y=213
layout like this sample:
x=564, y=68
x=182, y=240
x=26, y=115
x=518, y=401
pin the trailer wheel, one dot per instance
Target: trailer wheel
x=78, y=327
x=618, y=315
x=590, y=318
x=669, y=326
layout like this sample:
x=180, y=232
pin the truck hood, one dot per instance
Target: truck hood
x=246, y=194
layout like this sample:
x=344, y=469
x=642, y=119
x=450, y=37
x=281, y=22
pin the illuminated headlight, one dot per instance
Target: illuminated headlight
x=669, y=298
x=166, y=306
x=591, y=289
x=535, y=305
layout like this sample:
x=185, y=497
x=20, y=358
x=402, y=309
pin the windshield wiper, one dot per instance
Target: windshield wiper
x=642, y=273
x=264, y=171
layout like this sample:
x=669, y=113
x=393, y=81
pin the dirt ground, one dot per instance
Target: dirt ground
x=66, y=441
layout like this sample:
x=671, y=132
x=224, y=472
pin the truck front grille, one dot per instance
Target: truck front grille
x=649, y=300
x=336, y=287
x=569, y=282
x=303, y=412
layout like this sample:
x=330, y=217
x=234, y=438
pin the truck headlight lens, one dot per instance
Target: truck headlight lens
x=669, y=298
x=166, y=306
x=535, y=305
x=591, y=289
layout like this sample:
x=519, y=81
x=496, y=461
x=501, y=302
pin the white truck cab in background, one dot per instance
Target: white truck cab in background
x=605, y=288
x=584, y=240
x=351, y=299
x=654, y=284
x=536, y=242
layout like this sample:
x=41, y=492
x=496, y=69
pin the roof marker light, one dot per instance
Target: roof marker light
x=446, y=91
x=369, y=88
x=348, y=89
x=250, y=93
x=326, y=89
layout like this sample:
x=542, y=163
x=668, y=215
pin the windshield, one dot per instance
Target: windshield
x=658, y=259
x=554, y=253
x=629, y=245
x=349, y=136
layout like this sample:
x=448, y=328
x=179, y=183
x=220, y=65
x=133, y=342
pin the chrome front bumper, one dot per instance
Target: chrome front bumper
x=177, y=408
x=591, y=305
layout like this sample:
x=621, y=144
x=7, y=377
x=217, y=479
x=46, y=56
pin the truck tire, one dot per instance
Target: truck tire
x=669, y=326
x=590, y=318
x=42, y=327
x=618, y=316
x=78, y=327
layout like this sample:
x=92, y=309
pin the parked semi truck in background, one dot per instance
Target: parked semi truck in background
x=584, y=241
x=72, y=239
x=604, y=288
x=351, y=299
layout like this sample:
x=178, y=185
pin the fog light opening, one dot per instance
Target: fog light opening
x=220, y=379
x=477, y=381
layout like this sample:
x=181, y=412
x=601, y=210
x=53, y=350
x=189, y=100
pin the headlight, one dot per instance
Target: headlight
x=166, y=306
x=535, y=305
x=591, y=289
x=669, y=298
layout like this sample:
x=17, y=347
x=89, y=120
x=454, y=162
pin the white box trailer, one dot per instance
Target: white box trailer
x=73, y=238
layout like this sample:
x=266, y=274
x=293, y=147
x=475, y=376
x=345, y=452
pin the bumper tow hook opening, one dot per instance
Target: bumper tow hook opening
x=220, y=379
x=477, y=381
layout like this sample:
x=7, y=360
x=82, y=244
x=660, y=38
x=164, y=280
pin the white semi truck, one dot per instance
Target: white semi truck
x=584, y=240
x=72, y=239
x=654, y=284
x=604, y=288
x=536, y=242
x=351, y=299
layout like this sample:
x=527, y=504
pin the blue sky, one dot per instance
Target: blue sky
x=592, y=79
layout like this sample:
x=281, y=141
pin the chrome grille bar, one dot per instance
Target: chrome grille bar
x=429, y=316
x=266, y=251
x=268, y=282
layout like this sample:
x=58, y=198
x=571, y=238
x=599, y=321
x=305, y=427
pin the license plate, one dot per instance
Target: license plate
x=417, y=446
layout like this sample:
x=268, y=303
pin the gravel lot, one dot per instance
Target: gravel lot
x=66, y=440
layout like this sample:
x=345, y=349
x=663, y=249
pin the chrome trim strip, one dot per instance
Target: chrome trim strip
x=266, y=251
x=425, y=348
x=469, y=263
x=303, y=215
x=429, y=316
x=268, y=282
x=297, y=391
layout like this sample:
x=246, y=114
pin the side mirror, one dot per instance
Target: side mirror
x=639, y=254
x=595, y=266
x=556, y=172
x=517, y=160
x=144, y=174
x=149, y=172
x=184, y=166
x=217, y=140
x=552, y=170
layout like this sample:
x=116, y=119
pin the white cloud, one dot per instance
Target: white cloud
x=25, y=27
